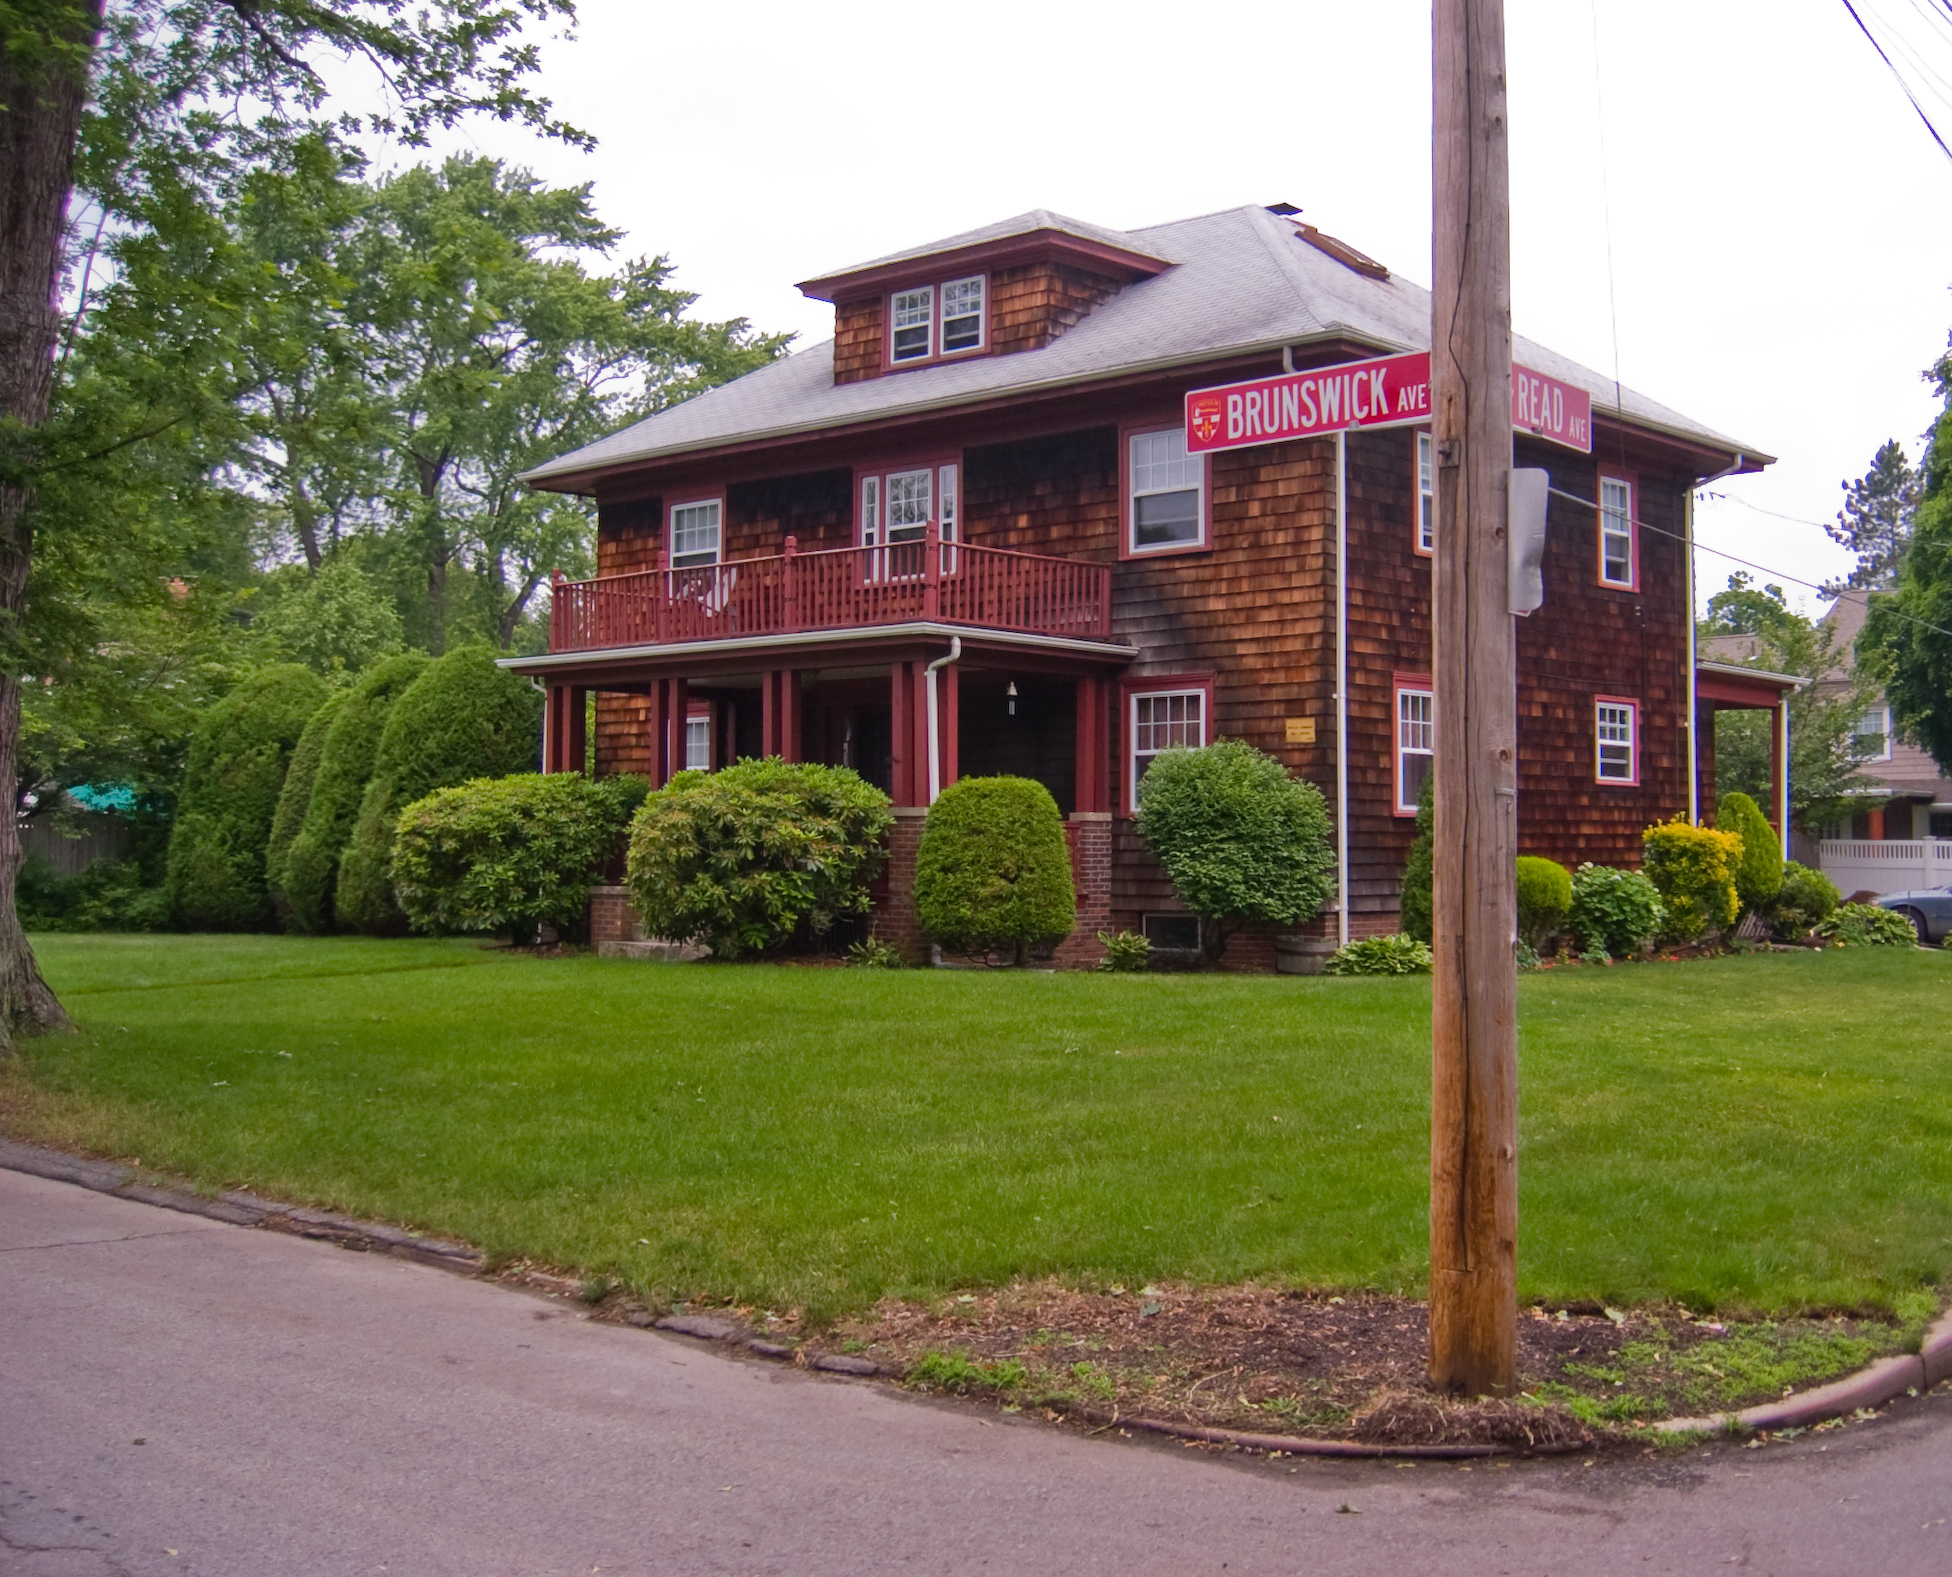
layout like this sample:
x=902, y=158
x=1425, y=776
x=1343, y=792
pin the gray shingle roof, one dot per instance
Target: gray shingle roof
x=1036, y=220
x=1242, y=281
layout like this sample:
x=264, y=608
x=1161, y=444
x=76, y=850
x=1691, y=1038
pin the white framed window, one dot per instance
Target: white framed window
x=1871, y=738
x=1162, y=720
x=910, y=494
x=1617, y=566
x=1426, y=524
x=698, y=744
x=897, y=506
x=1167, y=489
x=962, y=315
x=1416, y=742
x=1616, y=740
x=695, y=533
x=911, y=324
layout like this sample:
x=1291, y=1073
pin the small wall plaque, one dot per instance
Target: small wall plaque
x=1301, y=730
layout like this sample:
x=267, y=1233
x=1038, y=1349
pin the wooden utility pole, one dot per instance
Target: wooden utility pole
x=1474, y=1108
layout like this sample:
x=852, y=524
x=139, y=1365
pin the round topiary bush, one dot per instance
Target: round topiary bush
x=295, y=797
x=1759, y=874
x=236, y=771
x=464, y=717
x=993, y=873
x=1693, y=869
x=1614, y=912
x=1415, y=904
x=509, y=854
x=1544, y=899
x=310, y=871
x=1806, y=899
x=757, y=856
x=1244, y=841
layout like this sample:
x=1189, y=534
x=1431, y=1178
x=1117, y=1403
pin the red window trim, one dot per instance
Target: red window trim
x=1615, y=473
x=937, y=355
x=932, y=461
x=1127, y=431
x=1398, y=683
x=1632, y=703
x=1417, y=435
x=684, y=499
x=1155, y=684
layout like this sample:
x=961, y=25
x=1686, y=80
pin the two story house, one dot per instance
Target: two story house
x=968, y=536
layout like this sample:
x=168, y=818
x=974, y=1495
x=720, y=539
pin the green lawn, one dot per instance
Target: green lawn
x=1770, y=1132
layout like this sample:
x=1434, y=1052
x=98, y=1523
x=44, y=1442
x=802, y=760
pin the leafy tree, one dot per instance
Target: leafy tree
x=1826, y=758
x=236, y=772
x=144, y=102
x=335, y=621
x=1243, y=840
x=993, y=871
x=463, y=718
x=1876, y=520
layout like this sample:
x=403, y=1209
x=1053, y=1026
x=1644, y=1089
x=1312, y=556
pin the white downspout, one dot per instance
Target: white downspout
x=935, y=735
x=1342, y=689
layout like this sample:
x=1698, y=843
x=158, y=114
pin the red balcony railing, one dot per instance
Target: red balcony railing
x=837, y=589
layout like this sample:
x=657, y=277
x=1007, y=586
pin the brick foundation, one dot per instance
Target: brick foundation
x=894, y=920
x=612, y=919
x=1090, y=837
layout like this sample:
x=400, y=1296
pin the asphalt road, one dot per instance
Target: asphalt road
x=183, y=1397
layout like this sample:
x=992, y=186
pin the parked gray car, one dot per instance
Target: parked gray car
x=1929, y=910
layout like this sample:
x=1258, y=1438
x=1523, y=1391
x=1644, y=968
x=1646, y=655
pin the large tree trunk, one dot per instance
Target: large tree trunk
x=41, y=91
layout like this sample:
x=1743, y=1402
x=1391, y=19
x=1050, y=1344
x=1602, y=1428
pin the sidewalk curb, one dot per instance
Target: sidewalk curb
x=1882, y=1381
x=238, y=1209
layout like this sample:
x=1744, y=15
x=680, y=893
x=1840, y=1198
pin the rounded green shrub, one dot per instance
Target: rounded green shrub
x=1416, y=913
x=1544, y=899
x=757, y=856
x=310, y=871
x=296, y=796
x=1613, y=911
x=509, y=854
x=1866, y=925
x=1806, y=899
x=1244, y=841
x=1693, y=869
x=993, y=873
x=231, y=783
x=1381, y=955
x=462, y=718
x=1759, y=875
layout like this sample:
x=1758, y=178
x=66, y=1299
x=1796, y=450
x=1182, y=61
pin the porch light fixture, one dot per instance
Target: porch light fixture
x=1012, y=694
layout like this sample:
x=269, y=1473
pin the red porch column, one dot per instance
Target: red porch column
x=677, y=708
x=555, y=702
x=908, y=767
x=1093, y=775
x=779, y=713
x=576, y=743
x=658, y=733
x=1704, y=761
x=1779, y=770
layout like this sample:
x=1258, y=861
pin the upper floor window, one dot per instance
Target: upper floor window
x=897, y=506
x=937, y=320
x=1426, y=493
x=1616, y=740
x=1871, y=738
x=1166, y=487
x=695, y=533
x=1617, y=566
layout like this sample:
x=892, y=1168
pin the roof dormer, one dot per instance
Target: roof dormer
x=1007, y=287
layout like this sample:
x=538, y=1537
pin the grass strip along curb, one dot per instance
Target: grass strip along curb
x=1880, y=1382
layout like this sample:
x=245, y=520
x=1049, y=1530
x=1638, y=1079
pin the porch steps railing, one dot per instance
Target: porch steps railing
x=835, y=589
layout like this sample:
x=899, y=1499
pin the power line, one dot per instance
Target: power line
x=1895, y=72
x=1795, y=580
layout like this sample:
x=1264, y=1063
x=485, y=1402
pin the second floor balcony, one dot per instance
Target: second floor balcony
x=924, y=580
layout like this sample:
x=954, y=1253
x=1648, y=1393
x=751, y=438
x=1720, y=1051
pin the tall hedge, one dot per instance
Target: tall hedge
x=311, y=867
x=236, y=771
x=993, y=872
x=463, y=718
x=1759, y=876
x=295, y=796
x=1244, y=841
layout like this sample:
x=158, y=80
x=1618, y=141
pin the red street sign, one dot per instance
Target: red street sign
x=1391, y=391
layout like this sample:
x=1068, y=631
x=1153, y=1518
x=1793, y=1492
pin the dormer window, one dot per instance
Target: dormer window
x=930, y=321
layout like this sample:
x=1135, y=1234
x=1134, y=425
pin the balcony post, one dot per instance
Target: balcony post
x=932, y=570
x=556, y=614
x=789, y=585
x=660, y=597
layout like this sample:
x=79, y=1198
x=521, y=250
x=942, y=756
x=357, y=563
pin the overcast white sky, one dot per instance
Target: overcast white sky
x=1781, y=236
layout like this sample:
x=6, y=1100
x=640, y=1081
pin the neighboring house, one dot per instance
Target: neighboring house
x=1907, y=842
x=966, y=537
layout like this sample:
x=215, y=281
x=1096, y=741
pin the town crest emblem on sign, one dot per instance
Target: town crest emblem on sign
x=1204, y=417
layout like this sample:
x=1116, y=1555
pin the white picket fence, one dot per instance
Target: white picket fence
x=1885, y=865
